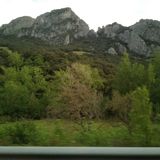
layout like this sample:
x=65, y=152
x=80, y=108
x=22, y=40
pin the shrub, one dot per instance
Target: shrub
x=21, y=133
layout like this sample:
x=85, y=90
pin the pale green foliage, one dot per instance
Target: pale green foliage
x=32, y=77
x=9, y=74
x=75, y=92
x=140, y=117
x=38, y=60
x=15, y=59
x=87, y=75
x=62, y=78
x=83, y=73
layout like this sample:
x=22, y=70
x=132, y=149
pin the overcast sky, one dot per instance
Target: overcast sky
x=95, y=12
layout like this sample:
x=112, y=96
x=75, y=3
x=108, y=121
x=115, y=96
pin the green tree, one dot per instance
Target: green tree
x=15, y=60
x=129, y=76
x=140, y=117
x=24, y=89
x=87, y=75
x=14, y=99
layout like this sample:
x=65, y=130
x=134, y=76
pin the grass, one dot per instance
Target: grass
x=68, y=133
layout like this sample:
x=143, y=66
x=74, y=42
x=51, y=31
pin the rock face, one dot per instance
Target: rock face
x=134, y=43
x=112, y=51
x=16, y=25
x=57, y=27
x=139, y=39
x=149, y=30
x=111, y=31
x=120, y=48
x=63, y=27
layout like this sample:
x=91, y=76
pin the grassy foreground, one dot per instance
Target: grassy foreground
x=67, y=133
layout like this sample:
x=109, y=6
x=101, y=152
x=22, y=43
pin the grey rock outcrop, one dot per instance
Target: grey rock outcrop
x=139, y=39
x=58, y=27
x=134, y=43
x=111, y=31
x=142, y=36
x=92, y=34
x=124, y=37
x=16, y=25
x=149, y=30
x=112, y=51
x=121, y=49
x=137, y=45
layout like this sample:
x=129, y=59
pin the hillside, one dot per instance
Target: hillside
x=64, y=84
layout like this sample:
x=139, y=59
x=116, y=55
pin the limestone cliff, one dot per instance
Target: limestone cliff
x=58, y=27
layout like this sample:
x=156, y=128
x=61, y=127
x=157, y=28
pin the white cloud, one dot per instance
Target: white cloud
x=94, y=12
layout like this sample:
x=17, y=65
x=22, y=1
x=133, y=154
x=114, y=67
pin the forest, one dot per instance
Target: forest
x=66, y=97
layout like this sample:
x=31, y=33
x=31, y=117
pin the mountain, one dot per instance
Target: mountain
x=14, y=27
x=63, y=27
x=139, y=39
x=57, y=27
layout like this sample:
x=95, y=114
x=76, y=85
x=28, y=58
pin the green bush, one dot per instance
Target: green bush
x=21, y=133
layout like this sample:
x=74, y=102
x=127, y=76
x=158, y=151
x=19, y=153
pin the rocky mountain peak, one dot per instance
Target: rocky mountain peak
x=63, y=27
x=55, y=16
x=140, y=39
x=16, y=25
x=111, y=30
x=148, y=29
x=59, y=26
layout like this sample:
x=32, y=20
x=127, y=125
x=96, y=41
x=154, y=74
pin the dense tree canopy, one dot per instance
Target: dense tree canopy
x=130, y=75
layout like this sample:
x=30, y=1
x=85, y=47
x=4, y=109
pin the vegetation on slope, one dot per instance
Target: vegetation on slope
x=80, y=90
